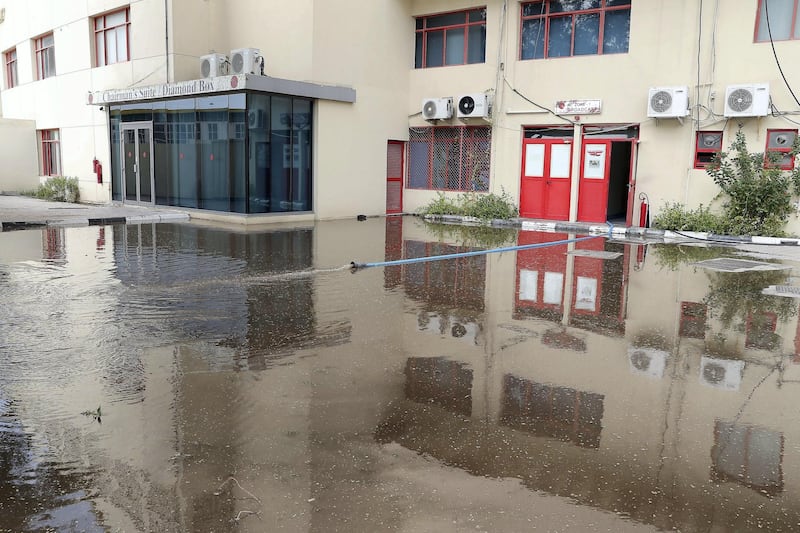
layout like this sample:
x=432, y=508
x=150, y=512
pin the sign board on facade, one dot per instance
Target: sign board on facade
x=168, y=90
x=578, y=107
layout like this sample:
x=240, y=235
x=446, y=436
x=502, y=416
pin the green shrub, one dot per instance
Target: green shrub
x=676, y=217
x=59, y=189
x=483, y=206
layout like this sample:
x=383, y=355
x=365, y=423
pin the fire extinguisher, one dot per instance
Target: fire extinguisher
x=644, y=210
x=98, y=170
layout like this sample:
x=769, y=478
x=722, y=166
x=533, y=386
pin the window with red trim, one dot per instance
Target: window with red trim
x=564, y=28
x=707, y=145
x=45, y=49
x=783, y=22
x=457, y=38
x=112, y=37
x=781, y=143
x=11, y=68
x=693, y=320
x=449, y=158
x=50, y=151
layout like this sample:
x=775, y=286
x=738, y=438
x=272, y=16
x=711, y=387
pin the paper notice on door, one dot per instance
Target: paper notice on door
x=594, y=161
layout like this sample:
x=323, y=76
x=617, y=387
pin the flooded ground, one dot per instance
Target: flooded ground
x=176, y=377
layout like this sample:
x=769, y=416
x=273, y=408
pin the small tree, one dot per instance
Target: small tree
x=759, y=193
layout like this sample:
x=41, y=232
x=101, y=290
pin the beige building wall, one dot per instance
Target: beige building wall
x=18, y=173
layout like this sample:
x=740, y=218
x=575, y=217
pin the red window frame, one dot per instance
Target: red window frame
x=425, y=27
x=707, y=145
x=50, y=150
x=785, y=150
x=547, y=16
x=10, y=58
x=794, y=34
x=43, y=53
x=102, y=31
x=693, y=320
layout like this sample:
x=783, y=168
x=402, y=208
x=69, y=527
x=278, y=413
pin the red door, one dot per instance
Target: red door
x=545, y=182
x=593, y=189
x=394, y=177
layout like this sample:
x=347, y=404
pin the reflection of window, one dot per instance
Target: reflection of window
x=460, y=282
x=45, y=56
x=760, y=331
x=749, y=455
x=451, y=39
x=780, y=142
x=560, y=28
x=449, y=158
x=708, y=145
x=440, y=381
x=50, y=151
x=693, y=320
x=557, y=412
x=111, y=42
x=784, y=20
x=11, y=68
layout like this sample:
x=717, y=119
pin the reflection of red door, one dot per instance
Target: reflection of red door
x=540, y=276
x=394, y=177
x=545, y=181
x=588, y=279
x=593, y=191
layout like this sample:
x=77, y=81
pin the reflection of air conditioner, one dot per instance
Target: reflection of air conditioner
x=213, y=65
x=647, y=361
x=472, y=106
x=466, y=331
x=747, y=100
x=437, y=108
x=246, y=61
x=721, y=373
x=666, y=102
x=448, y=326
x=257, y=118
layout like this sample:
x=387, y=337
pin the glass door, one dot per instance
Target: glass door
x=137, y=162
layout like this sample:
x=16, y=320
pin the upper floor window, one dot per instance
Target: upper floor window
x=451, y=39
x=45, y=56
x=783, y=22
x=708, y=145
x=50, y=151
x=11, y=68
x=563, y=28
x=781, y=142
x=111, y=37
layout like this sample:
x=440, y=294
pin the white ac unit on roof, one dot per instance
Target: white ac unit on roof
x=213, y=65
x=668, y=102
x=747, y=100
x=475, y=105
x=437, y=108
x=647, y=361
x=246, y=61
x=721, y=373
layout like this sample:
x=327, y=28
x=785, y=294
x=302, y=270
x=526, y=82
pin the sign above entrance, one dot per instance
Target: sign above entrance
x=578, y=107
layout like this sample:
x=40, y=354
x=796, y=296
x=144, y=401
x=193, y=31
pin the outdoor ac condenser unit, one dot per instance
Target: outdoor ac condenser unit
x=213, y=65
x=475, y=105
x=437, y=108
x=668, y=102
x=747, y=100
x=647, y=361
x=721, y=373
x=246, y=61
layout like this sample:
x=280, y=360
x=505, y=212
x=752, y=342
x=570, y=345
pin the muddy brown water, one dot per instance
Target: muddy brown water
x=180, y=377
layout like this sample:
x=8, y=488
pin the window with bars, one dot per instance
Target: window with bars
x=563, y=28
x=449, y=158
x=11, y=68
x=50, y=151
x=783, y=22
x=112, y=37
x=45, y=56
x=781, y=143
x=457, y=38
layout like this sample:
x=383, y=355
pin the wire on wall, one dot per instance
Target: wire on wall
x=775, y=54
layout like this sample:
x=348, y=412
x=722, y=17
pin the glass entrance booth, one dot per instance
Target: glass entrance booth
x=241, y=152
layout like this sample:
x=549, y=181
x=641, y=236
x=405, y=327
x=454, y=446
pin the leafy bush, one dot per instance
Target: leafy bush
x=677, y=217
x=482, y=206
x=59, y=189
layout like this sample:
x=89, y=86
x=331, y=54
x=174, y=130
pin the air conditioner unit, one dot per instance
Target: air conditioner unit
x=474, y=105
x=668, y=102
x=246, y=61
x=723, y=374
x=747, y=100
x=437, y=108
x=257, y=118
x=647, y=361
x=213, y=65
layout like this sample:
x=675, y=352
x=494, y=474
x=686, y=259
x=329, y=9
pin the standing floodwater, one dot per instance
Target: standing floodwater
x=178, y=377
